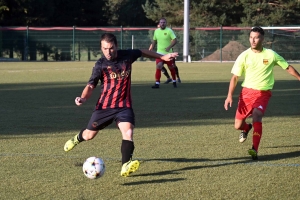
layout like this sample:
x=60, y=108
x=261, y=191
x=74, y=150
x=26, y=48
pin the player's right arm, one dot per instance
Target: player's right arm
x=92, y=83
x=85, y=95
x=232, y=85
x=152, y=45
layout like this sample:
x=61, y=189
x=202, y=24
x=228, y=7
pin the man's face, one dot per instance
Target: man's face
x=109, y=50
x=162, y=23
x=256, y=40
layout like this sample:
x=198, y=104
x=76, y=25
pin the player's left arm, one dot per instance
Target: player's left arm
x=152, y=54
x=173, y=42
x=292, y=71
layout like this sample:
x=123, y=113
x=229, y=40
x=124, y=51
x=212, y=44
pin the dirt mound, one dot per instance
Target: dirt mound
x=229, y=52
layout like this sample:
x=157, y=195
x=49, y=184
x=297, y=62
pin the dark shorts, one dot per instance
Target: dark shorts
x=102, y=118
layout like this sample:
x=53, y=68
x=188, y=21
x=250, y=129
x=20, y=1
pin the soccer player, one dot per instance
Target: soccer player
x=256, y=65
x=165, y=39
x=113, y=70
x=164, y=70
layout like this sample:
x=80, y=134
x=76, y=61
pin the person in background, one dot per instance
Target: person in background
x=165, y=39
x=164, y=70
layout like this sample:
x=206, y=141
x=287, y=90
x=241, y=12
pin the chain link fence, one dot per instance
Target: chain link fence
x=82, y=43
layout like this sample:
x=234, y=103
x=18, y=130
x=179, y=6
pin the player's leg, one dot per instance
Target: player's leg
x=257, y=132
x=83, y=135
x=159, y=65
x=244, y=127
x=99, y=120
x=125, y=120
x=259, y=108
x=243, y=111
x=177, y=72
x=165, y=72
x=172, y=70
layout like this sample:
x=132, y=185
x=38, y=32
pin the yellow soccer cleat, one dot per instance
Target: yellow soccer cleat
x=70, y=144
x=129, y=167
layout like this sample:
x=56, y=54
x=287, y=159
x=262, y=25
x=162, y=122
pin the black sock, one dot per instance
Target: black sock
x=165, y=72
x=79, y=136
x=176, y=71
x=127, y=148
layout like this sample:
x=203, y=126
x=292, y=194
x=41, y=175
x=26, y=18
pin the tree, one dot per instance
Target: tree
x=127, y=13
x=205, y=13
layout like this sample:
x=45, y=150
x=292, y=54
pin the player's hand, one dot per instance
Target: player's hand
x=228, y=100
x=169, y=56
x=79, y=101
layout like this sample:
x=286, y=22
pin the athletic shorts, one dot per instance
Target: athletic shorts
x=102, y=118
x=250, y=99
x=169, y=63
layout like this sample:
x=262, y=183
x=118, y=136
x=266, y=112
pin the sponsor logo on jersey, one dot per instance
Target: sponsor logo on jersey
x=265, y=61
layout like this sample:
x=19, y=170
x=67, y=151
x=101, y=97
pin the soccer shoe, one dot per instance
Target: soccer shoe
x=244, y=134
x=129, y=167
x=174, y=85
x=253, y=153
x=70, y=144
x=168, y=81
x=156, y=86
x=178, y=80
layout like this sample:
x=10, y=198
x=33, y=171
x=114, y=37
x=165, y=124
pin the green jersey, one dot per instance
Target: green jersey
x=163, y=39
x=257, y=68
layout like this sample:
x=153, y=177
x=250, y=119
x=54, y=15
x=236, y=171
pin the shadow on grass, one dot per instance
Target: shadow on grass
x=154, y=181
x=212, y=163
x=49, y=107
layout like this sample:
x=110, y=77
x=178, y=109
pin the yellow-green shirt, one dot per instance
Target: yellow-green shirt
x=163, y=39
x=257, y=68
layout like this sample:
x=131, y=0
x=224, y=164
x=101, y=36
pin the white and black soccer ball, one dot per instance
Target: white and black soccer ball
x=93, y=167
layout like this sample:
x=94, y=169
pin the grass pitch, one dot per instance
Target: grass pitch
x=184, y=138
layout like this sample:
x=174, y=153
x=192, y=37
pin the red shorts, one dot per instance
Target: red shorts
x=169, y=63
x=249, y=99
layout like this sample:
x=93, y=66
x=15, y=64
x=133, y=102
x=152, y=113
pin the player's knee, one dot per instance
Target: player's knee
x=88, y=134
x=238, y=124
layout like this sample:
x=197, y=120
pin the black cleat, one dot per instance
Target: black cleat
x=156, y=86
x=174, y=85
x=168, y=81
x=244, y=134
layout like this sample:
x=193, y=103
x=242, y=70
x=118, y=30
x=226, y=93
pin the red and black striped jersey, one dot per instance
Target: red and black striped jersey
x=115, y=77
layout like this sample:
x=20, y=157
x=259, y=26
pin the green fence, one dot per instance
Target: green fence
x=82, y=43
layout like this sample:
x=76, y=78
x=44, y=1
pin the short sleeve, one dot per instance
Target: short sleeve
x=96, y=74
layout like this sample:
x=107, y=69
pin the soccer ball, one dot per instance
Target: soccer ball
x=93, y=167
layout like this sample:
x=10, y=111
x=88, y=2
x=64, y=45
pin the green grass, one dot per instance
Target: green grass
x=184, y=138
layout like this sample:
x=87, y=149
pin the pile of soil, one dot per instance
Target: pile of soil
x=230, y=52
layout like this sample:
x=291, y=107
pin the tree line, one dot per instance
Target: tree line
x=139, y=13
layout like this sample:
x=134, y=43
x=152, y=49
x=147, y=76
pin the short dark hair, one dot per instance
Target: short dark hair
x=162, y=19
x=109, y=37
x=258, y=29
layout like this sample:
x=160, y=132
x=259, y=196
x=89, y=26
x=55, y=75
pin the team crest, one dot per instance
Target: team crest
x=265, y=61
x=95, y=124
x=113, y=75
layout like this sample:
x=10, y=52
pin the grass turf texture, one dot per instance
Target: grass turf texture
x=184, y=138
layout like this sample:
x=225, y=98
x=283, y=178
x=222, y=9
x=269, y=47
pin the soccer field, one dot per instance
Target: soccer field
x=184, y=138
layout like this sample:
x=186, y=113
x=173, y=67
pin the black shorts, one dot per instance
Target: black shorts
x=102, y=118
